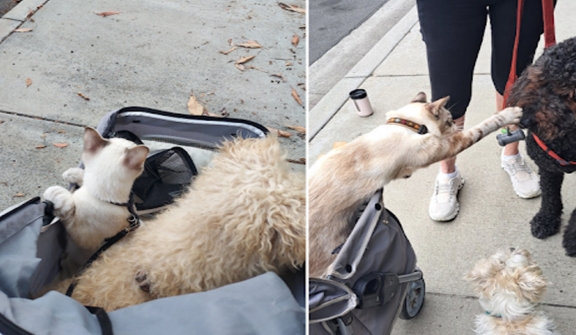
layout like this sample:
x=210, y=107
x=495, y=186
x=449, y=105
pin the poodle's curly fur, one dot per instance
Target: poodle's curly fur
x=546, y=91
x=244, y=215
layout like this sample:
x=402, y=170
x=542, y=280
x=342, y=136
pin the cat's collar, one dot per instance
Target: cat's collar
x=419, y=128
x=122, y=204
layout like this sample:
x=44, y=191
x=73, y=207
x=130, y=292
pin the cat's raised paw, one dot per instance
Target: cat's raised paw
x=62, y=200
x=142, y=280
x=74, y=175
x=511, y=115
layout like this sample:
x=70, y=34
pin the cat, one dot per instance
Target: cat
x=98, y=209
x=244, y=214
x=417, y=135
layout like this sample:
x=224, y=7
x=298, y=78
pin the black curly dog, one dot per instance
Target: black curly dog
x=546, y=91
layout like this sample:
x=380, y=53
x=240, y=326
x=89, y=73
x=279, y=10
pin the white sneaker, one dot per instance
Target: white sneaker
x=525, y=182
x=444, y=204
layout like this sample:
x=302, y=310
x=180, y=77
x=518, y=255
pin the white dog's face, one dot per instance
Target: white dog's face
x=508, y=283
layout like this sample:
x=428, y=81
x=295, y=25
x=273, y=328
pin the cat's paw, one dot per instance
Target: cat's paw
x=74, y=175
x=62, y=200
x=511, y=115
x=142, y=280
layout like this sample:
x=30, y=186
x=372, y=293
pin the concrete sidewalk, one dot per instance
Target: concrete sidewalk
x=491, y=215
x=152, y=54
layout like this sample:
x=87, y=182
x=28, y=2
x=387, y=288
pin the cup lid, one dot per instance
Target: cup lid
x=358, y=94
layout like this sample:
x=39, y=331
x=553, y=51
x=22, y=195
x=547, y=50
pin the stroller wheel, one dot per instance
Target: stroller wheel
x=414, y=299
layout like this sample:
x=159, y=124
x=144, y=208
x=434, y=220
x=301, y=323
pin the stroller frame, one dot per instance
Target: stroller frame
x=373, y=276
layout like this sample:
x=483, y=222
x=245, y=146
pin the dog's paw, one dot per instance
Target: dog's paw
x=511, y=115
x=142, y=280
x=569, y=239
x=543, y=226
x=74, y=176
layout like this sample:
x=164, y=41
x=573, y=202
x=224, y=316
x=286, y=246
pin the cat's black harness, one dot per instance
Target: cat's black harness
x=133, y=224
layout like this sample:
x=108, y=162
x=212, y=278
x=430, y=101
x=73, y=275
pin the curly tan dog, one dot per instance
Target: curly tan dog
x=243, y=216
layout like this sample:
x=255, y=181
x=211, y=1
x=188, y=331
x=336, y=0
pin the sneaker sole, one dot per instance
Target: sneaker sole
x=454, y=214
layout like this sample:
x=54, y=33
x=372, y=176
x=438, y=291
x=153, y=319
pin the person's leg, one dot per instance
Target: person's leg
x=525, y=182
x=452, y=31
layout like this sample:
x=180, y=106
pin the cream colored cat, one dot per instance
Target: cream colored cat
x=96, y=210
x=417, y=135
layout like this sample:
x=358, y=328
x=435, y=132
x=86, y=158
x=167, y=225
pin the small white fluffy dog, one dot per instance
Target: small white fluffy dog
x=510, y=285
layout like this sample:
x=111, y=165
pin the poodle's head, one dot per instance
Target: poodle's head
x=508, y=283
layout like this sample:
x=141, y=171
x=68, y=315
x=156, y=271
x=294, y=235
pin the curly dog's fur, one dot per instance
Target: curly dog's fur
x=244, y=215
x=546, y=91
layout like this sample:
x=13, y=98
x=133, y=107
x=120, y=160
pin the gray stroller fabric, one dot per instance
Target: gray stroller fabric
x=377, y=244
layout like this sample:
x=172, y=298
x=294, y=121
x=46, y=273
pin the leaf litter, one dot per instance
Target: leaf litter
x=195, y=108
x=292, y=8
x=296, y=97
x=108, y=13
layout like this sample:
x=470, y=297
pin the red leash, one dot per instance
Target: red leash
x=549, y=39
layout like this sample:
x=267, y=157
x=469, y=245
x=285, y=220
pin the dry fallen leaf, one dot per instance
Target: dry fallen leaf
x=223, y=113
x=28, y=82
x=296, y=97
x=292, y=8
x=60, y=145
x=279, y=76
x=241, y=61
x=194, y=107
x=295, y=40
x=23, y=30
x=299, y=129
x=229, y=51
x=40, y=146
x=299, y=161
x=104, y=14
x=244, y=59
x=250, y=44
x=83, y=96
x=280, y=133
x=19, y=195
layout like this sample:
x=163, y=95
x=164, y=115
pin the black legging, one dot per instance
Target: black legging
x=453, y=32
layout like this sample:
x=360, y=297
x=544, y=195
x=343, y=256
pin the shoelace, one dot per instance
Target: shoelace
x=446, y=188
x=518, y=165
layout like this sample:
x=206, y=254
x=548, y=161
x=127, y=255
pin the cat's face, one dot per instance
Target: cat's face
x=433, y=115
x=115, y=158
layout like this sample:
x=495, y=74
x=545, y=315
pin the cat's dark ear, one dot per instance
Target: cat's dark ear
x=93, y=142
x=420, y=97
x=135, y=157
x=436, y=106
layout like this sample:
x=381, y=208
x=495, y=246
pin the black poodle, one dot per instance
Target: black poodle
x=546, y=91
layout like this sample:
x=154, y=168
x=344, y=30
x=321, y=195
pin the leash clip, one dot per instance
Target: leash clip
x=133, y=223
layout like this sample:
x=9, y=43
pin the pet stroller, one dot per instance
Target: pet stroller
x=32, y=244
x=374, y=278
